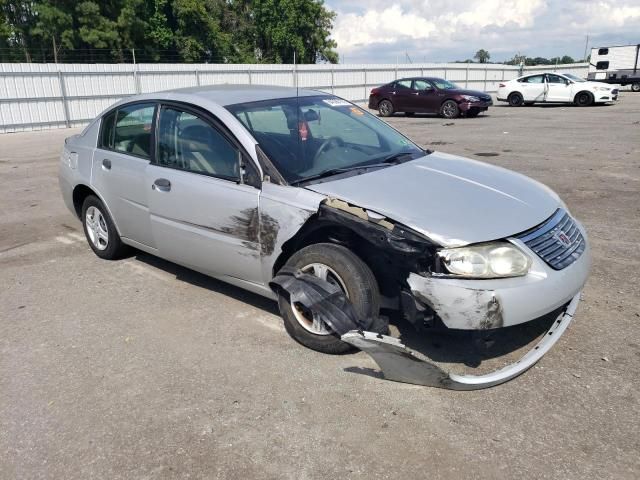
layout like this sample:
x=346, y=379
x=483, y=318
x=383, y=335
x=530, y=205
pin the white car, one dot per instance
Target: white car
x=555, y=88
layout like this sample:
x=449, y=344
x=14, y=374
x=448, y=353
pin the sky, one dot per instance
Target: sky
x=379, y=31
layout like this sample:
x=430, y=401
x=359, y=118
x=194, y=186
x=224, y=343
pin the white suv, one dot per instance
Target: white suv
x=555, y=88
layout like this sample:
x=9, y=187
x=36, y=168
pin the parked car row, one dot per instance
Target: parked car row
x=445, y=98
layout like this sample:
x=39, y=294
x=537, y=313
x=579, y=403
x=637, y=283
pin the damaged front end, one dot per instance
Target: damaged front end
x=396, y=361
x=406, y=265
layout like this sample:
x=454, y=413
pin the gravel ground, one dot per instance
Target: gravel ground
x=142, y=369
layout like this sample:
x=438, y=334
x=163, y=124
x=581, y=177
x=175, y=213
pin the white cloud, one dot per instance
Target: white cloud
x=455, y=29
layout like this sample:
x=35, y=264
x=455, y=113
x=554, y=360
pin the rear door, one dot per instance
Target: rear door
x=559, y=89
x=119, y=164
x=533, y=88
x=202, y=215
x=403, y=96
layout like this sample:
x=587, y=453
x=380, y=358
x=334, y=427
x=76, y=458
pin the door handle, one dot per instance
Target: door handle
x=106, y=164
x=162, y=185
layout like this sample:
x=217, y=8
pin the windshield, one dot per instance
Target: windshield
x=574, y=78
x=307, y=136
x=444, y=84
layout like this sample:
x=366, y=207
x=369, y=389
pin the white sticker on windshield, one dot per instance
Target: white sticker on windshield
x=336, y=102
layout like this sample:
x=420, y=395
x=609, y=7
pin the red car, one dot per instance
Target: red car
x=428, y=95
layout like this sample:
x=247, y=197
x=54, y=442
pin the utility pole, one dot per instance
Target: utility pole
x=586, y=45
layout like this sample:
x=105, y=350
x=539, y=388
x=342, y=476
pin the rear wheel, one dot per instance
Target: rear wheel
x=635, y=87
x=385, y=108
x=515, y=99
x=584, y=99
x=340, y=266
x=100, y=230
x=449, y=109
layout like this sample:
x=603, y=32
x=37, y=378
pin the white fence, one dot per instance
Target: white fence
x=42, y=96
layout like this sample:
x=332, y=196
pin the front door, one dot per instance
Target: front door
x=202, y=216
x=559, y=89
x=119, y=165
x=427, y=97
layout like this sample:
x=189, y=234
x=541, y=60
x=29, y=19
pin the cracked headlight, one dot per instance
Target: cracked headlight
x=490, y=260
x=470, y=98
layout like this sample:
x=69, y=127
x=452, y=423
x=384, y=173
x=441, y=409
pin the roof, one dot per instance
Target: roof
x=227, y=94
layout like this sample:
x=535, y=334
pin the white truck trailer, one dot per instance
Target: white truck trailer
x=617, y=64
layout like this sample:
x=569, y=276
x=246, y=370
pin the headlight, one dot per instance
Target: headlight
x=490, y=260
x=470, y=98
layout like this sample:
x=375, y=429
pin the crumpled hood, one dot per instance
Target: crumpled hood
x=453, y=200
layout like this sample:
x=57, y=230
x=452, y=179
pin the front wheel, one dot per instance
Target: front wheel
x=100, y=230
x=449, y=109
x=340, y=266
x=584, y=99
x=635, y=87
x=385, y=108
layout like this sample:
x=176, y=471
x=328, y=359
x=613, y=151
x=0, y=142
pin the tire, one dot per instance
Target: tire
x=409, y=114
x=583, y=99
x=515, y=99
x=100, y=230
x=385, y=108
x=449, y=109
x=351, y=273
x=635, y=87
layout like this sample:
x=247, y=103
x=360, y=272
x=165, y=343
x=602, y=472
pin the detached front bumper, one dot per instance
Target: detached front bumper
x=400, y=364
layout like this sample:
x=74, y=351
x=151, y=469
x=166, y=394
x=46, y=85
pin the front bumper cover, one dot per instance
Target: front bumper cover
x=400, y=364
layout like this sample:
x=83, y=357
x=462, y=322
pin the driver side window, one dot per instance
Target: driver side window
x=555, y=79
x=422, y=85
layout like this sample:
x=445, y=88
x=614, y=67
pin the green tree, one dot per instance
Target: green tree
x=95, y=30
x=198, y=34
x=482, y=56
x=53, y=25
x=287, y=26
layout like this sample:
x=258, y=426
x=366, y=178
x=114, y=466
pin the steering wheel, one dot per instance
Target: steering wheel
x=328, y=144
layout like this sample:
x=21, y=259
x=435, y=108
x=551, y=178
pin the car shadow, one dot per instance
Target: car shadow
x=201, y=280
x=469, y=348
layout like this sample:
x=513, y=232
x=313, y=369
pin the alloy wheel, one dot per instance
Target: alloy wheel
x=97, y=228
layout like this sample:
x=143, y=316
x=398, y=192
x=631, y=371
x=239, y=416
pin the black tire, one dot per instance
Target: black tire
x=635, y=87
x=409, y=114
x=361, y=288
x=449, y=109
x=515, y=99
x=385, y=108
x=110, y=249
x=583, y=99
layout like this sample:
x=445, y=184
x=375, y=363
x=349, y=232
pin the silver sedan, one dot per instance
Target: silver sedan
x=244, y=182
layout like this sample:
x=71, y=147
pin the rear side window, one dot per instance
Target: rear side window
x=533, y=79
x=602, y=65
x=403, y=84
x=603, y=51
x=106, y=131
x=133, y=129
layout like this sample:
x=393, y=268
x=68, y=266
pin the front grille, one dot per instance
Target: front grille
x=558, y=241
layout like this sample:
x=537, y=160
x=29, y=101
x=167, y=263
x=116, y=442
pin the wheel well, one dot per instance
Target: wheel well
x=575, y=98
x=317, y=231
x=80, y=192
